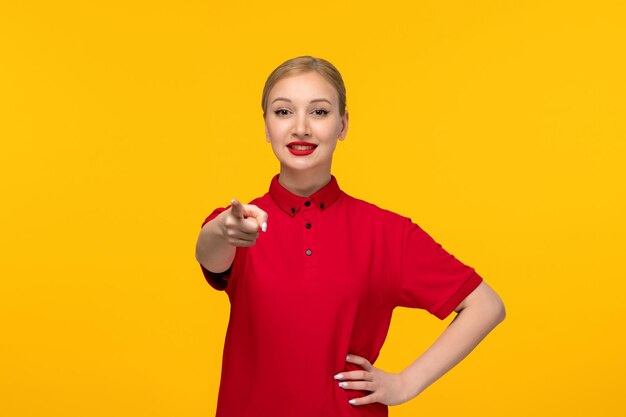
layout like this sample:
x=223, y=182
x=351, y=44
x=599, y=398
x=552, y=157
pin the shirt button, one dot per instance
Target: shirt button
x=307, y=203
x=308, y=225
x=322, y=205
x=308, y=252
x=293, y=210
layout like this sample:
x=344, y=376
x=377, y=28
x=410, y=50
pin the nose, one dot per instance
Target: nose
x=301, y=126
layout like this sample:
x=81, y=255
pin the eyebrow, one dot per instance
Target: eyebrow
x=317, y=100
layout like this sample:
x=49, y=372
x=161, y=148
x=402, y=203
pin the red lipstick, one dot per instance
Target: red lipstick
x=301, y=148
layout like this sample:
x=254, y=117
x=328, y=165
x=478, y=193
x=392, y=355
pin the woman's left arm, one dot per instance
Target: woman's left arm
x=478, y=314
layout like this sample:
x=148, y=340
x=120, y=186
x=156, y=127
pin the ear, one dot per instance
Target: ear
x=267, y=134
x=344, y=126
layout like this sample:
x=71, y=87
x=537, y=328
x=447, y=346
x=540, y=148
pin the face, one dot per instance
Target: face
x=303, y=123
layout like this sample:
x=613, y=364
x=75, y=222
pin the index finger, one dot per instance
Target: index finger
x=236, y=208
x=359, y=360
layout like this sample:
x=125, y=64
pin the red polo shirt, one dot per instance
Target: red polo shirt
x=322, y=282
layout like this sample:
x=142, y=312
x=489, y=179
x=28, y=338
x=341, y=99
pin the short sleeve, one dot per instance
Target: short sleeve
x=430, y=278
x=217, y=280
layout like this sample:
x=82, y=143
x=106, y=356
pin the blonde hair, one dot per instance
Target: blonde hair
x=303, y=64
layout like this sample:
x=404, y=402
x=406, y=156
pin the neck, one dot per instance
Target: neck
x=303, y=183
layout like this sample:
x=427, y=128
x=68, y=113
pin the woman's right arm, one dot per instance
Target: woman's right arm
x=237, y=226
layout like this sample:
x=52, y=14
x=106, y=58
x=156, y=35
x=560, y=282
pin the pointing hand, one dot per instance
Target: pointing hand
x=241, y=224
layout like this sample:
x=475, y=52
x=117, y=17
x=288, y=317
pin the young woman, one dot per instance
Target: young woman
x=313, y=275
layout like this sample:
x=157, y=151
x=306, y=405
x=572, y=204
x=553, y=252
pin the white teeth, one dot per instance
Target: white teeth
x=302, y=147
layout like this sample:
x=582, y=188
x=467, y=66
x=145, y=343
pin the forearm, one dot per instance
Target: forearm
x=465, y=332
x=212, y=250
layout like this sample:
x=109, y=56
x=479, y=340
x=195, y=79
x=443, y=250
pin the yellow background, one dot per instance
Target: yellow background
x=498, y=126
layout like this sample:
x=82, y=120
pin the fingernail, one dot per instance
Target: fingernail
x=232, y=201
x=338, y=376
x=347, y=357
x=352, y=401
x=264, y=226
x=343, y=384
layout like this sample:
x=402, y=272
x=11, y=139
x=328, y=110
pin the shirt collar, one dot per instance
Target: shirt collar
x=291, y=203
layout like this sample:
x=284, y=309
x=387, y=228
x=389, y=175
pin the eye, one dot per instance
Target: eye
x=320, y=112
x=281, y=112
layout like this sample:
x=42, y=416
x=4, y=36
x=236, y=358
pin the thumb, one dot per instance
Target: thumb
x=258, y=214
x=236, y=209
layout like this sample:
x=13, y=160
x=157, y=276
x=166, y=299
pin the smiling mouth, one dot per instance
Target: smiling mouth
x=301, y=148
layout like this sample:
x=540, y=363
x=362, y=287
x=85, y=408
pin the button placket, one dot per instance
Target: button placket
x=309, y=248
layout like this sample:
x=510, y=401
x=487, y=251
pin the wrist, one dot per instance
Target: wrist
x=220, y=225
x=413, y=382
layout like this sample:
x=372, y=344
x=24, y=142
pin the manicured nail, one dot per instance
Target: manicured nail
x=352, y=401
x=232, y=201
x=347, y=357
x=264, y=226
x=343, y=384
x=338, y=376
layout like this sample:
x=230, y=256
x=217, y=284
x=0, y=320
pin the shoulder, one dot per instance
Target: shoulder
x=262, y=202
x=373, y=212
